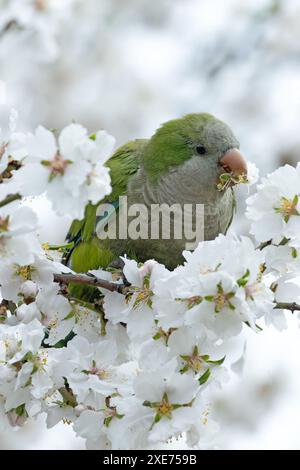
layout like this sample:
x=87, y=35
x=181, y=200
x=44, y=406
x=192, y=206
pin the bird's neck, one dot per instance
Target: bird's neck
x=176, y=188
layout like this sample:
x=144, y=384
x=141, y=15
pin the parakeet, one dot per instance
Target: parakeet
x=181, y=164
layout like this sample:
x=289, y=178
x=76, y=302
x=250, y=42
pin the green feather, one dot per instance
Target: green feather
x=123, y=164
x=89, y=222
x=75, y=228
x=88, y=255
x=172, y=144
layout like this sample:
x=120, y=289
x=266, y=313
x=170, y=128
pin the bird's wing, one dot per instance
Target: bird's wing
x=123, y=164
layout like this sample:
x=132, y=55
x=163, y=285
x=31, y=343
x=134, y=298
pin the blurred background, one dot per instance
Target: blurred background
x=128, y=66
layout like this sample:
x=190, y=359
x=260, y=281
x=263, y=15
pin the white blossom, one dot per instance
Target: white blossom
x=18, y=242
x=15, y=278
x=169, y=396
x=71, y=172
x=274, y=210
x=134, y=368
x=135, y=309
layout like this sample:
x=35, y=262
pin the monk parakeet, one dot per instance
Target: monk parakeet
x=180, y=163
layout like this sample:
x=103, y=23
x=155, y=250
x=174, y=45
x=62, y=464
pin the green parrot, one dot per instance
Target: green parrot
x=181, y=164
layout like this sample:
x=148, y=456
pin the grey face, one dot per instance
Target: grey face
x=217, y=138
x=191, y=153
x=200, y=173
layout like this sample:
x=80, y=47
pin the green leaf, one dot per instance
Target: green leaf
x=175, y=406
x=107, y=421
x=185, y=357
x=205, y=357
x=146, y=281
x=147, y=403
x=34, y=369
x=257, y=326
x=184, y=369
x=67, y=246
x=20, y=410
x=284, y=241
x=156, y=336
x=204, y=377
x=244, y=279
x=51, y=177
x=294, y=253
x=218, y=362
x=209, y=298
x=70, y=315
x=225, y=177
x=230, y=295
x=220, y=288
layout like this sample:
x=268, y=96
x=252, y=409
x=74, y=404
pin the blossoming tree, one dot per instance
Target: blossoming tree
x=137, y=367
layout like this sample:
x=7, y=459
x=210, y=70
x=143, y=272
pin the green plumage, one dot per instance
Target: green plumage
x=165, y=169
x=123, y=164
x=88, y=250
x=172, y=144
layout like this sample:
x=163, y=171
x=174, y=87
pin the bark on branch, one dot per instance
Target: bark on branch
x=292, y=306
x=89, y=280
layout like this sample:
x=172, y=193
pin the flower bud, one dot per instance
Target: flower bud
x=15, y=420
x=29, y=290
x=147, y=267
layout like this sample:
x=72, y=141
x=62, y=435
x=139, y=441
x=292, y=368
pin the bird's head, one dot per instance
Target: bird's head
x=196, y=147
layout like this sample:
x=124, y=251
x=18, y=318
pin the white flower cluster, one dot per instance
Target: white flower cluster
x=136, y=368
x=71, y=173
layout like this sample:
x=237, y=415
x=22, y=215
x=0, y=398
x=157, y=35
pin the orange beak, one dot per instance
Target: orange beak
x=234, y=162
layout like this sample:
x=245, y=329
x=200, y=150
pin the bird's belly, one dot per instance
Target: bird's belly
x=148, y=239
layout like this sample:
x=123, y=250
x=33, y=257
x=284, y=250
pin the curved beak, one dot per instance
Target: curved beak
x=234, y=162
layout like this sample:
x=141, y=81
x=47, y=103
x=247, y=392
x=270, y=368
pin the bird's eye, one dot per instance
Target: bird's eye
x=200, y=149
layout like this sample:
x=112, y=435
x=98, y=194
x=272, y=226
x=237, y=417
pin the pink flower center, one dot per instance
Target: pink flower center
x=101, y=373
x=58, y=165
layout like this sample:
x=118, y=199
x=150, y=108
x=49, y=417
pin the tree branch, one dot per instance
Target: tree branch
x=292, y=306
x=9, y=199
x=89, y=280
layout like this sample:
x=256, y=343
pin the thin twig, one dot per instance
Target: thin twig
x=264, y=245
x=89, y=280
x=292, y=306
